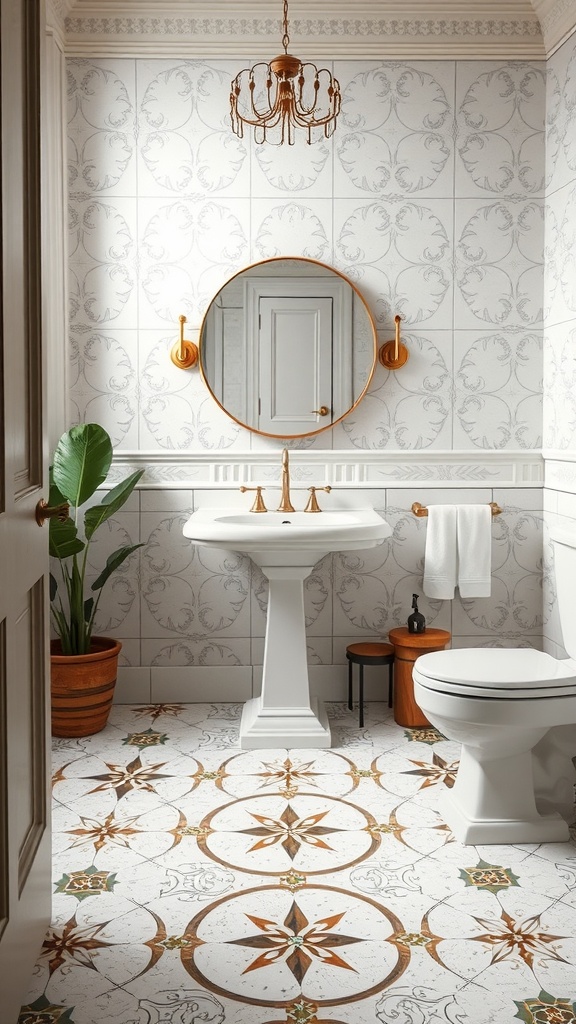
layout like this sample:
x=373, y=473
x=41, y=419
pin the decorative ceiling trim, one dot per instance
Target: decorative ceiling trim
x=558, y=21
x=322, y=38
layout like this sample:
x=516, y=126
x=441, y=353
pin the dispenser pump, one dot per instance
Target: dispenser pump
x=416, y=621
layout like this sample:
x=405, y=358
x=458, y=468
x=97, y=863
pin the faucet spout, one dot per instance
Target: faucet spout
x=285, y=503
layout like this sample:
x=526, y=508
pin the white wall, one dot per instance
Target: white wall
x=430, y=197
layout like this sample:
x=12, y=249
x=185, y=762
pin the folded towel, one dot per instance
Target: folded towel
x=440, y=557
x=474, y=550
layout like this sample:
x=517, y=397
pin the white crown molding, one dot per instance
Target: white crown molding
x=377, y=29
x=558, y=21
x=343, y=469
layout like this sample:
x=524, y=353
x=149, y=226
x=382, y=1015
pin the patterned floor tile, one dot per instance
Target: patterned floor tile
x=197, y=882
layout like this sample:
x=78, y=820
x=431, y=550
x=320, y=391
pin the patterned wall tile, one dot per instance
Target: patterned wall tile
x=410, y=408
x=189, y=591
x=560, y=387
x=497, y=389
x=300, y=171
x=399, y=253
x=103, y=260
x=561, y=117
x=397, y=130
x=499, y=263
x=104, y=382
x=500, y=115
x=560, y=254
x=295, y=228
x=188, y=248
x=101, y=112
x=186, y=146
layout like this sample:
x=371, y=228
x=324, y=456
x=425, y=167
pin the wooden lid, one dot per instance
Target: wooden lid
x=430, y=638
x=370, y=650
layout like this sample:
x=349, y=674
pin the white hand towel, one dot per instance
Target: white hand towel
x=474, y=550
x=440, y=557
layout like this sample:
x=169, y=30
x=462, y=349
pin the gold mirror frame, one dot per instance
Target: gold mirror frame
x=356, y=291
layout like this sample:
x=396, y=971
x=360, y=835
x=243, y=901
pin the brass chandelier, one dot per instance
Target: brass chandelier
x=277, y=97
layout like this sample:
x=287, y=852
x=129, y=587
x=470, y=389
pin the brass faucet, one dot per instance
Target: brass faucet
x=285, y=503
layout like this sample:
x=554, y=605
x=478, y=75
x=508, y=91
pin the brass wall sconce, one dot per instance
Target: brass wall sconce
x=184, y=354
x=393, y=354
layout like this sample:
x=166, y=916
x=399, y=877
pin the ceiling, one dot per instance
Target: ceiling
x=388, y=29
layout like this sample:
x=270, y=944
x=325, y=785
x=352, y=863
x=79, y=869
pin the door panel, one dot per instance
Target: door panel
x=24, y=707
x=295, y=360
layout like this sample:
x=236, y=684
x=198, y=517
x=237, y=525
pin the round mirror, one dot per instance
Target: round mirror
x=288, y=347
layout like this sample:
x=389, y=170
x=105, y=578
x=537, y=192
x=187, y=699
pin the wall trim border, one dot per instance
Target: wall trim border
x=340, y=468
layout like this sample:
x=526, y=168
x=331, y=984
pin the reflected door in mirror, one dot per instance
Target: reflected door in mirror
x=287, y=347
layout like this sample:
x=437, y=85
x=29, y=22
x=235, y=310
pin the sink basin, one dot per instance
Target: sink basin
x=286, y=545
x=287, y=538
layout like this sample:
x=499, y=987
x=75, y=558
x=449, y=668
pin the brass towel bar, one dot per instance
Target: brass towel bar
x=421, y=510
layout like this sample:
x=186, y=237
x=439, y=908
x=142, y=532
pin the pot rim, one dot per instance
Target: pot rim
x=105, y=647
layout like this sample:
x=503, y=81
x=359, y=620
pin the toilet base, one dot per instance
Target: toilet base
x=469, y=831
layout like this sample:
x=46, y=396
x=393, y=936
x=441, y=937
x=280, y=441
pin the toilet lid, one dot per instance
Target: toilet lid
x=519, y=670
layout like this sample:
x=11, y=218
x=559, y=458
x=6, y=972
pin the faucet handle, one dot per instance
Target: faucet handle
x=258, y=505
x=313, y=505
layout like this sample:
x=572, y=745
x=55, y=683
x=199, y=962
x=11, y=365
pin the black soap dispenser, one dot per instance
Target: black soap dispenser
x=416, y=621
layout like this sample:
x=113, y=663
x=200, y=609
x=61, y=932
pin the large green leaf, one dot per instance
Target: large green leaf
x=63, y=539
x=114, y=500
x=81, y=462
x=112, y=563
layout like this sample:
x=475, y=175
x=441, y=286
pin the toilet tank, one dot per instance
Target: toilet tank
x=564, y=544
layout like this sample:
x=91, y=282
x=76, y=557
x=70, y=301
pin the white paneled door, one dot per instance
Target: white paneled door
x=24, y=775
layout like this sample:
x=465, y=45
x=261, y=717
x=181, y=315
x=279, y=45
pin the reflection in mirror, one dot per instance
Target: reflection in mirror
x=288, y=347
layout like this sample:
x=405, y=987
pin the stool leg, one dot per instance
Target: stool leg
x=390, y=683
x=361, y=698
x=350, y=685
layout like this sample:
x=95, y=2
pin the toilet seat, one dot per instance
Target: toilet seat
x=496, y=673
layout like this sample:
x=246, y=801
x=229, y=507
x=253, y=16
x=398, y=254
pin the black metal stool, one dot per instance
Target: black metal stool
x=369, y=654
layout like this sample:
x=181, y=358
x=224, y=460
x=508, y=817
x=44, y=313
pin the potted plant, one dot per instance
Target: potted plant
x=83, y=666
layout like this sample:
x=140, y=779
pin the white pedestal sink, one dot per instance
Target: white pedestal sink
x=286, y=546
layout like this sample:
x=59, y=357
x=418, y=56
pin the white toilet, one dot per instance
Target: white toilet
x=514, y=712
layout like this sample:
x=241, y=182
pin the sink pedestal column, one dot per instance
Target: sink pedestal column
x=285, y=715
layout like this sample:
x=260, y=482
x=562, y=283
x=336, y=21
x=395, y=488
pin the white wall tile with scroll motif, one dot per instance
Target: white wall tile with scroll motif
x=104, y=383
x=300, y=170
x=408, y=408
x=188, y=248
x=186, y=146
x=497, y=390
x=500, y=114
x=196, y=653
x=560, y=255
x=560, y=387
x=103, y=259
x=395, y=132
x=499, y=263
x=176, y=411
x=296, y=228
x=561, y=117
x=399, y=252
x=101, y=113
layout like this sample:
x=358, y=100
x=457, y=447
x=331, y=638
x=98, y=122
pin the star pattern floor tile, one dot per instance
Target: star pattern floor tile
x=195, y=882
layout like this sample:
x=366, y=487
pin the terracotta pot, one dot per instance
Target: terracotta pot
x=83, y=687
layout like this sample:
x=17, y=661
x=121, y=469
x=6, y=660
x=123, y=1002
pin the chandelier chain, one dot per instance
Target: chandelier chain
x=285, y=37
